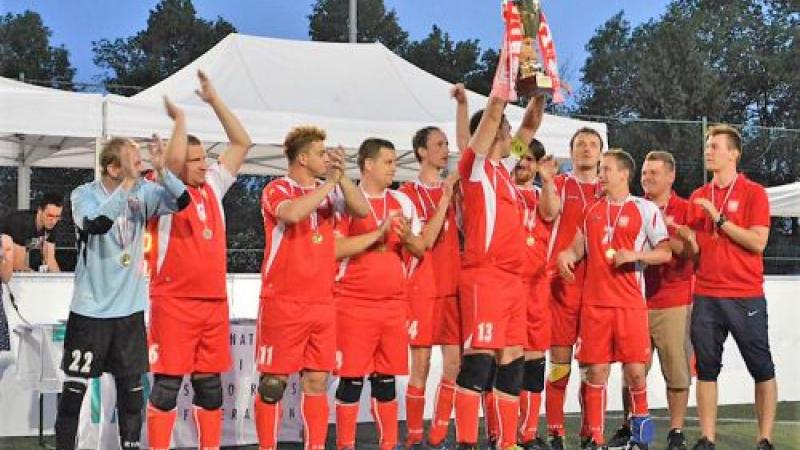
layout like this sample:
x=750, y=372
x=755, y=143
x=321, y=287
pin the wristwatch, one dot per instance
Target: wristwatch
x=722, y=219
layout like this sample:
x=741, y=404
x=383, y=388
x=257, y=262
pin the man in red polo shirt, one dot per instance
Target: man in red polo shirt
x=574, y=193
x=728, y=227
x=620, y=235
x=668, y=288
x=434, y=318
x=371, y=296
x=188, y=266
x=297, y=317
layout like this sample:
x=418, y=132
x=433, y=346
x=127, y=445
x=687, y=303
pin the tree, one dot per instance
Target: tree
x=174, y=37
x=439, y=55
x=25, y=49
x=329, y=20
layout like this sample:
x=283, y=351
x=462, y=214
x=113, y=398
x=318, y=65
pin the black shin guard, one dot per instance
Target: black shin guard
x=130, y=401
x=69, y=410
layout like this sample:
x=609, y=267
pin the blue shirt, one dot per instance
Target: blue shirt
x=104, y=286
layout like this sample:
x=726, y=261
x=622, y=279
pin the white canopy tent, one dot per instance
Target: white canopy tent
x=784, y=200
x=44, y=127
x=353, y=91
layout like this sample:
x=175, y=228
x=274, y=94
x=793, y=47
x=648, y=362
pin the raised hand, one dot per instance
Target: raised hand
x=547, y=168
x=449, y=184
x=335, y=170
x=156, y=149
x=459, y=93
x=206, y=91
x=173, y=111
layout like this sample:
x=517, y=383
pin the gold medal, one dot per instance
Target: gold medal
x=207, y=233
x=316, y=238
x=125, y=259
x=530, y=241
x=610, y=254
x=382, y=248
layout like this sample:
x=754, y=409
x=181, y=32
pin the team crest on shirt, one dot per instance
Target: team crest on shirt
x=624, y=221
x=733, y=206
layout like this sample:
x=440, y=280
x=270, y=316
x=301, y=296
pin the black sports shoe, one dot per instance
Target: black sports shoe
x=417, y=446
x=620, y=439
x=536, y=444
x=676, y=440
x=637, y=446
x=704, y=444
x=557, y=443
x=466, y=447
x=764, y=444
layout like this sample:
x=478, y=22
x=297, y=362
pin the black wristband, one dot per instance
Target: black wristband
x=721, y=221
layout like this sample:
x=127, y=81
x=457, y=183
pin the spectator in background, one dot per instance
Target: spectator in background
x=32, y=230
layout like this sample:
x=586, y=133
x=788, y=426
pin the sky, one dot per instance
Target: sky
x=76, y=23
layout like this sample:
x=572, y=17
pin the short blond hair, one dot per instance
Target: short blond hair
x=111, y=153
x=663, y=156
x=298, y=139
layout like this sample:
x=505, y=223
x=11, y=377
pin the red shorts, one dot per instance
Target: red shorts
x=434, y=321
x=188, y=335
x=371, y=337
x=447, y=321
x=538, y=313
x=610, y=334
x=293, y=336
x=565, y=307
x=492, y=308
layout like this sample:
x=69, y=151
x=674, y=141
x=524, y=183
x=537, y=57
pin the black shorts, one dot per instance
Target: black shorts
x=93, y=346
x=744, y=318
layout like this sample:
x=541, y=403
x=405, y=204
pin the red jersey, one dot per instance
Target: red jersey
x=537, y=232
x=379, y=273
x=443, y=262
x=493, y=231
x=669, y=285
x=299, y=260
x=725, y=269
x=576, y=198
x=187, y=250
x=635, y=225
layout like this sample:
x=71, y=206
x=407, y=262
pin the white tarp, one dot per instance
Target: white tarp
x=784, y=200
x=354, y=91
x=47, y=127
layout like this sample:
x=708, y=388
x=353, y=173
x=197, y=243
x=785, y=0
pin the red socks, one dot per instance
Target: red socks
x=467, y=403
x=159, y=427
x=529, y=405
x=594, y=411
x=385, y=415
x=555, y=392
x=346, y=416
x=415, y=409
x=507, y=414
x=442, y=411
x=490, y=414
x=314, y=410
x=268, y=417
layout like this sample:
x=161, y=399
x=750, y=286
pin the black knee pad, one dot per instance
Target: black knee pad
x=492, y=375
x=130, y=401
x=509, y=377
x=475, y=371
x=383, y=387
x=349, y=390
x=533, y=377
x=164, y=395
x=271, y=388
x=71, y=398
x=207, y=392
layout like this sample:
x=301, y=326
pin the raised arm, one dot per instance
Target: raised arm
x=354, y=199
x=459, y=94
x=169, y=195
x=175, y=154
x=531, y=120
x=431, y=230
x=239, y=141
x=483, y=139
x=549, y=202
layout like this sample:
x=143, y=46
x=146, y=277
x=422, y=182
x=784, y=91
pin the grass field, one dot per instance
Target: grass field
x=736, y=430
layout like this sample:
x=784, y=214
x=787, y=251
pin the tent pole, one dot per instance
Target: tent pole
x=353, y=22
x=23, y=180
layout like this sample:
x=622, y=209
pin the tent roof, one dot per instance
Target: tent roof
x=353, y=91
x=47, y=127
x=784, y=200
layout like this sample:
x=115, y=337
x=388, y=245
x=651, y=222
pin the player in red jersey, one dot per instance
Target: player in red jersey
x=537, y=290
x=433, y=305
x=371, y=296
x=727, y=231
x=188, y=265
x=297, y=316
x=574, y=192
x=491, y=291
x=668, y=289
x=620, y=235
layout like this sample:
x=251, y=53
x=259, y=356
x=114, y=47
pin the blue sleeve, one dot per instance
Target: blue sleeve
x=165, y=197
x=93, y=217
